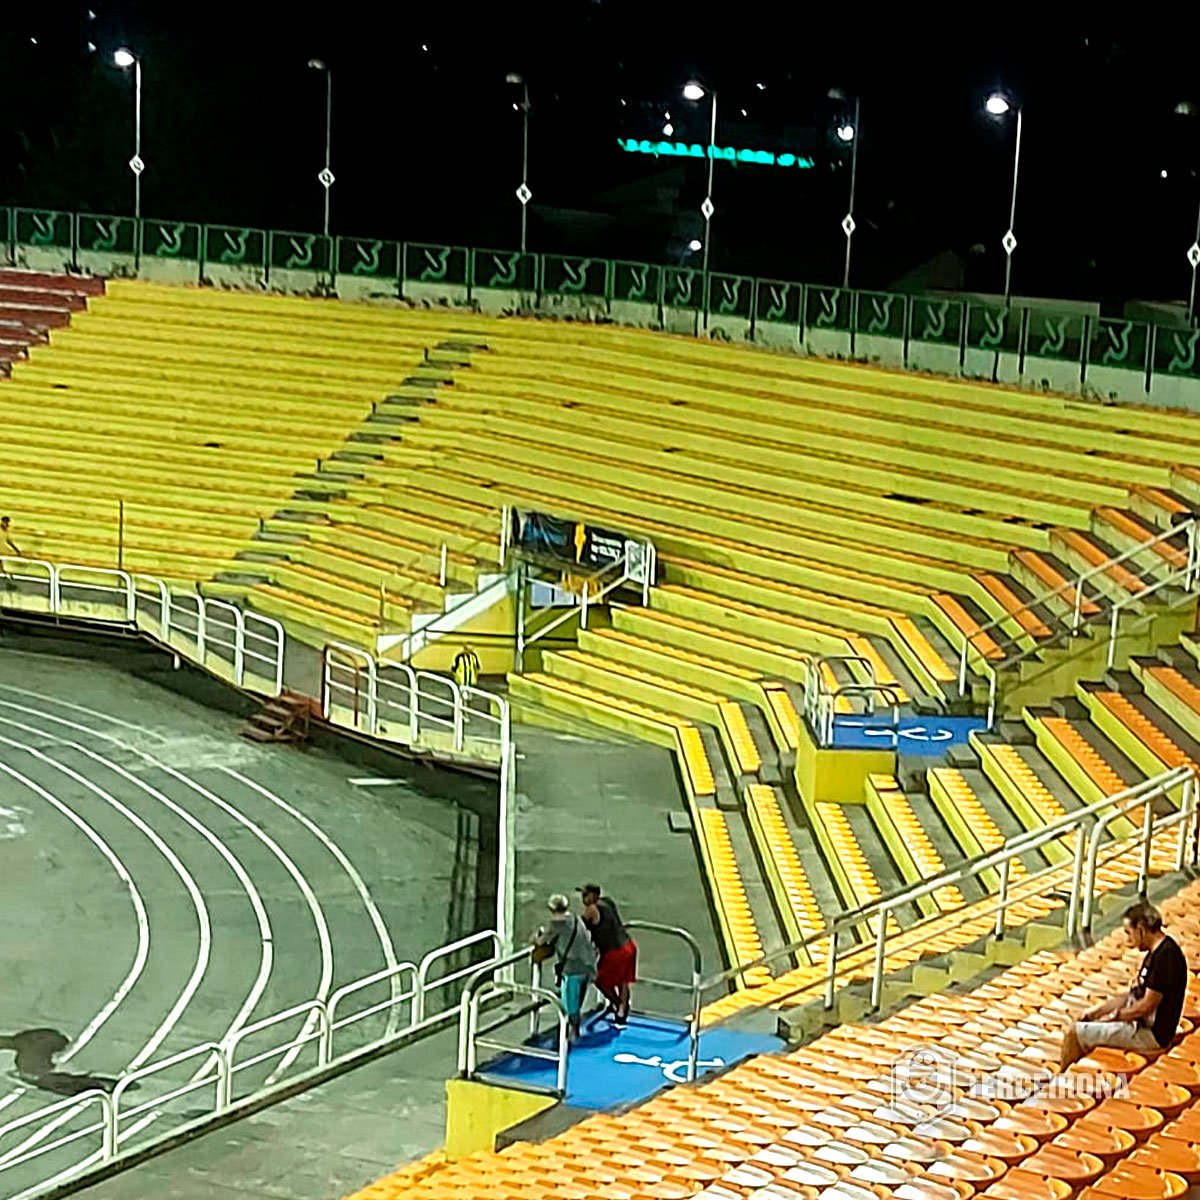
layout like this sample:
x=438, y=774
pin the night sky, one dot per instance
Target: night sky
x=426, y=142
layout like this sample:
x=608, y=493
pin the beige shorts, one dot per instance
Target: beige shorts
x=1119, y=1035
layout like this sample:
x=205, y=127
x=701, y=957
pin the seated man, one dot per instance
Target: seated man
x=1145, y=1017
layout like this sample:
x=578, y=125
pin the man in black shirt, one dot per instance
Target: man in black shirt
x=1145, y=1017
x=618, y=951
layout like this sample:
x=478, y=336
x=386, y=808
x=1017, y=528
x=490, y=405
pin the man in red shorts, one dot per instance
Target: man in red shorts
x=617, y=969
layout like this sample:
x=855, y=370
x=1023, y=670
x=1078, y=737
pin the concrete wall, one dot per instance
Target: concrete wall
x=1161, y=364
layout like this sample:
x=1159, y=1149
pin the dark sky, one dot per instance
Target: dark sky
x=427, y=145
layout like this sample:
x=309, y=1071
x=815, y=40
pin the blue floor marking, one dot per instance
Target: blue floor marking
x=917, y=735
x=610, y=1067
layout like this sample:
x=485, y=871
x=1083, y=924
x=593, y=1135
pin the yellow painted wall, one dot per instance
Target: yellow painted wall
x=476, y=1112
x=837, y=775
x=491, y=635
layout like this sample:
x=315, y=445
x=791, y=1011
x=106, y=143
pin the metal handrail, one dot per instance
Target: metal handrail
x=692, y=986
x=1076, y=585
x=219, y=1066
x=1184, y=776
x=968, y=869
x=621, y=563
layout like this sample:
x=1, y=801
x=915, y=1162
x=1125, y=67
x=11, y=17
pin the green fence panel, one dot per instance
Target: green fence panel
x=683, y=287
x=233, y=246
x=1177, y=352
x=43, y=227
x=779, y=302
x=1115, y=342
x=1056, y=335
x=171, y=239
x=828, y=308
x=993, y=327
x=368, y=258
x=505, y=270
x=936, y=319
x=563, y=276
x=731, y=296
x=299, y=251
x=435, y=264
x=106, y=235
x=881, y=314
x=639, y=283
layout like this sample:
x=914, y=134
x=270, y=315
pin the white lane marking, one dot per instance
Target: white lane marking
x=313, y=904
x=266, y=952
x=205, y=939
x=374, y=781
x=142, y=952
x=358, y=882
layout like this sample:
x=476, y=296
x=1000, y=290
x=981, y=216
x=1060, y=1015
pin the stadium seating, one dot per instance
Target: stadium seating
x=343, y=467
x=857, y=1114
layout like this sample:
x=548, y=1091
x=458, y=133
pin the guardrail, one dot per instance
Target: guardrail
x=245, y=647
x=421, y=710
x=821, y=696
x=118, y=1121
x=1070, y=595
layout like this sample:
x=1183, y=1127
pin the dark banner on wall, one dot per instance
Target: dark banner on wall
x=575, y=542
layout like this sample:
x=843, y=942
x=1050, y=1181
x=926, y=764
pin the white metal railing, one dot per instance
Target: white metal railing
x=421, y=709
x=637, y=565
x=1105, y=814
x=823, y=692
x=130, y=1108
x=1070, y=596
x=247, y=648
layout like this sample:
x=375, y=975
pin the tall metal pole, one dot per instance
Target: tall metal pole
x=848, y=224
x=137, y=139
x=1194, y=259
x=328, y=141
x=707, y=207
x=1010, y=238
x=524, y=162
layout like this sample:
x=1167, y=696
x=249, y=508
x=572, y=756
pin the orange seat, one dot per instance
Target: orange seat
x=1168, y=1098
x=1105, y=1142
x=1130, y=1182
x=1169, y=1154
x=1122, y=1114
x=1020, y=1184
x=1071, y=1166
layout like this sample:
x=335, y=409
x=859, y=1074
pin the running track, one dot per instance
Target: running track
x=168, y=883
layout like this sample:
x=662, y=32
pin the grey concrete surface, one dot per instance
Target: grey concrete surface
x=586, y=810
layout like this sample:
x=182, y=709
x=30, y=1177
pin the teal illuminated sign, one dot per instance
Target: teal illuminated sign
x=766, y=158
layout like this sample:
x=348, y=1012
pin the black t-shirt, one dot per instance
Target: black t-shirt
x=609, y=932
x=1164, y=970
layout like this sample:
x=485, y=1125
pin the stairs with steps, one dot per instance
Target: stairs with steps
x=285, y=719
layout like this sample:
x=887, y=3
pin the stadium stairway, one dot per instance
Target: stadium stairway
x=945, y=1099
x=32, y=304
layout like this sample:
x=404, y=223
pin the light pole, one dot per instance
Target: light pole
x=124, y=59
x=998, y=105
x=848, y=132
x=524, y=195
x=695, y=91
x=325, y=176
x=1193, y=256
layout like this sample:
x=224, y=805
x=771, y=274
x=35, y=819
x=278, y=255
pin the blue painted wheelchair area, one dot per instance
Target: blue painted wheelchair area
x=914, y=735
x=610, y=1066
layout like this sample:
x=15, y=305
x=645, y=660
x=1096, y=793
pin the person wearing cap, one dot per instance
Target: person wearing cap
x=566, y=939
x=618, y=951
